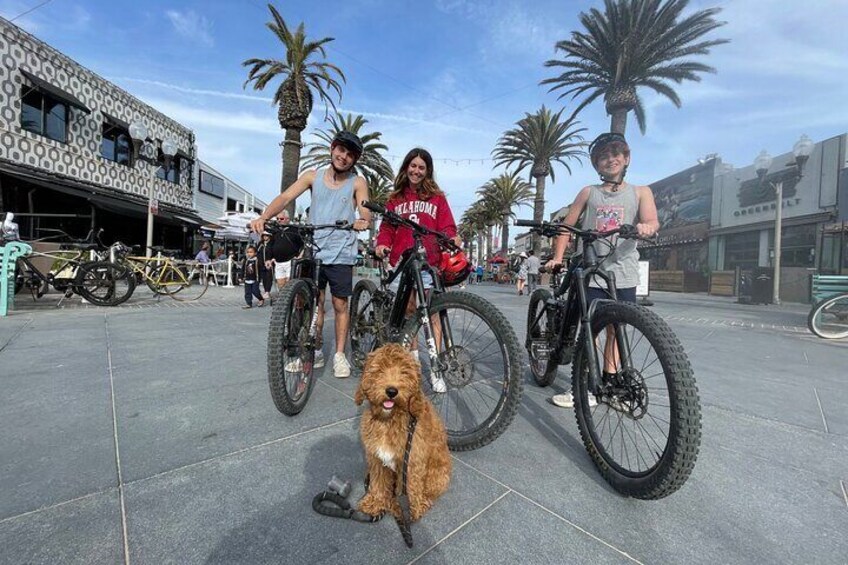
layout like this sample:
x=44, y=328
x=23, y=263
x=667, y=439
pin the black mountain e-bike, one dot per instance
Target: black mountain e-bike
x=641, y=420
x=291, y=336
x=470, y=356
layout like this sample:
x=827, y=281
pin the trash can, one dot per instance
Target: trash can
x=762, y=287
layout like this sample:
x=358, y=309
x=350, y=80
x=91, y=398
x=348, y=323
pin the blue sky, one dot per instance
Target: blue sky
x=452, y=75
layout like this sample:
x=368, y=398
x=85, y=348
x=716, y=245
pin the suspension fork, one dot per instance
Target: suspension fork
x=621, y=340
x=586, y=328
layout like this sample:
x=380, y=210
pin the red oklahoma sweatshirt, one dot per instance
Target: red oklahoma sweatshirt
x=434, y=214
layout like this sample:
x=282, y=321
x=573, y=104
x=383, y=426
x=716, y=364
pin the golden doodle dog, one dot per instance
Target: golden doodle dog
x=391, y=383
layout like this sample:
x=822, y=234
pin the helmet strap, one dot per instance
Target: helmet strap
x=616, y=183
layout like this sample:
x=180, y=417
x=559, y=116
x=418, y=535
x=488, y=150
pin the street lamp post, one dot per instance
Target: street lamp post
x=138, y=133
x=801, y=150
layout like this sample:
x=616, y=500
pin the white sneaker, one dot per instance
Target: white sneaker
x=294, y=366
x=565, y=400
x=341, y=368
x=319, y=359
x=438, y=385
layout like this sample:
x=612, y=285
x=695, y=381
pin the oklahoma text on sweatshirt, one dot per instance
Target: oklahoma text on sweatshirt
x=434, y=214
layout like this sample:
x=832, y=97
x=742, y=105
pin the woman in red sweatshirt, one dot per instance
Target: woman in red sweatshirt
x=417, y=197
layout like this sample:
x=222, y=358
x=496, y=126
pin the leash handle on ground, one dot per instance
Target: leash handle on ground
x=331, y=504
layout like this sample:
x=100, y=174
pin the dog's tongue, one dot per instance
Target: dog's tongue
x=388, y=404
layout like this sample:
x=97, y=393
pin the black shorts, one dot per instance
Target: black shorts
x=340, y=278
x=623, y=294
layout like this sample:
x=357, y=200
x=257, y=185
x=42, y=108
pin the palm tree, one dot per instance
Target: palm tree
x=483, y=217
x=631, y=44
x=503, y=193
x=371, y=160
x=305, y=73
x=538, y=140
x=379, y=188
x=472, y=224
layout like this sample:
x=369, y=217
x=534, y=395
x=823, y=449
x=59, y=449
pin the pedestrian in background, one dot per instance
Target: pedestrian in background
x=250, y=271
x=533, y=265
x=203, y=255
x=266, y=264
x=522, y=273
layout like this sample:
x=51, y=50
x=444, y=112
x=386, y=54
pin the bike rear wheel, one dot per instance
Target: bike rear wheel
x=541, y=332
x=645, y=432
x=104, y=283
x=291, y=347
x=483, y=376
x=364, y=331
x=192, y=283
x=829, y=318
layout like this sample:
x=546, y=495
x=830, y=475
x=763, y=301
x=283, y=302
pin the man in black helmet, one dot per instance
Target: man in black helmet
x=337, y=194
x=606, y=206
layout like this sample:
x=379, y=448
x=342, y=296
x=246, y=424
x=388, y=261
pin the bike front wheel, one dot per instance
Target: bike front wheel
x=104, y=283
x=481, y=369
x=364, y=331
x=829, y=317
x=541, y=332
x=644, y=432
x=291, y=347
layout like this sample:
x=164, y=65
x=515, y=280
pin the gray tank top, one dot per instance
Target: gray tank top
x=338, y=247
x=607, y=211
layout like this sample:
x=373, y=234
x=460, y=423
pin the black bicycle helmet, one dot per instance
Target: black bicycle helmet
x=350, y=140
x=605, y=139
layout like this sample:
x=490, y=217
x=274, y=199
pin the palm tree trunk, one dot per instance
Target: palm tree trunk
x=505, y=236
x=618, y=122
x=539, y=210
x=480, y=253
x=489, y=242
x=291, y=163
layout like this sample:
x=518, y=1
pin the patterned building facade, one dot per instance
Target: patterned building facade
x=65, y=148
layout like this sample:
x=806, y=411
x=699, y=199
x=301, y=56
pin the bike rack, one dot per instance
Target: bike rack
x=9, y=254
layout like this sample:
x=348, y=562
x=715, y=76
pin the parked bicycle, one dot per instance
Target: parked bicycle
x=476, y=359
x=182, y=280
x=71, y=271
x=291, y=336
x=828, y=318
x=642, y=427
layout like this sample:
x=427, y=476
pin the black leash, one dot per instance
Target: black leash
x=332, y=504
x=405, y=521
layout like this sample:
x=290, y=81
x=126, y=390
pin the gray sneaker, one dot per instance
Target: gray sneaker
x=319, y=359
x=341, y=368
x=566, y=400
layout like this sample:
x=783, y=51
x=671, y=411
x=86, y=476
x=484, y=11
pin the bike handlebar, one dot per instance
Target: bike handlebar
x=553, y=229
x=276, y=226
x=395, y=218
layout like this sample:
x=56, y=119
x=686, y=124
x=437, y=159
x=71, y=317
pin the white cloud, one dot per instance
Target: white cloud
x=192, y=26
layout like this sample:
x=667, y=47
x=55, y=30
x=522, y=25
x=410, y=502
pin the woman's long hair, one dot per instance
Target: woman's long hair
x=428, y=187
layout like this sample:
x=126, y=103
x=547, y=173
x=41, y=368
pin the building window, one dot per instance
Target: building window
x=797, y=246
x=44, y=115
x=117, y=144
x=258, y=210
x=232, y=205
x=741, y=250
x=210, y=184
x=173, y=173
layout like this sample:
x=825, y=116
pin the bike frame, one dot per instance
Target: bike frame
x=412, y=263
x=574, y=310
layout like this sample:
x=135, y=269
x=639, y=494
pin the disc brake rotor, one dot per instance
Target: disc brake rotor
x=459, y=367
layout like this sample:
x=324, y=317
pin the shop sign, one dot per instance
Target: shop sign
x=767, y=207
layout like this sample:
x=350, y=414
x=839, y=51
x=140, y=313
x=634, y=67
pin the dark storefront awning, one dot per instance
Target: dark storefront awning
x=126, y=205
x=55, y=91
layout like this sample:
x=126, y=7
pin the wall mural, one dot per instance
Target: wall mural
x=686, y=197
x=80, y=157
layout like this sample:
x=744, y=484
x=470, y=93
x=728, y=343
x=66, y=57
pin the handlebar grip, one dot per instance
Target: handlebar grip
x=527, y=224
x=374, y=207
